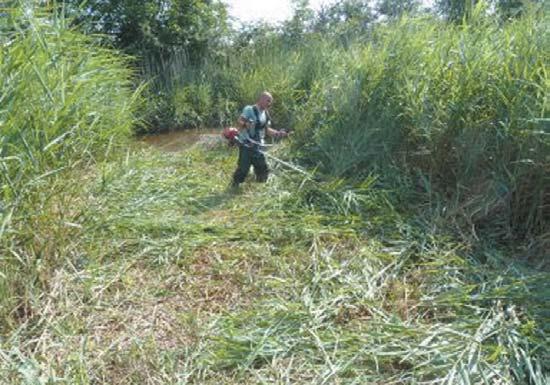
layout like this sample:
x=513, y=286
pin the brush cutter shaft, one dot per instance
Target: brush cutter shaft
x=251, y=143
x=287, y=164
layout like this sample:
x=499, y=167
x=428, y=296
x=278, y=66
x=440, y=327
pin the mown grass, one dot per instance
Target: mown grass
x=166, y=277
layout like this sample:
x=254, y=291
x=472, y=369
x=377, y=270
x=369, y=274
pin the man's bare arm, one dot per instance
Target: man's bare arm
x=276, y=133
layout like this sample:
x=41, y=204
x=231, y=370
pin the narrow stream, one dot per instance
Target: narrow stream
x=174, y=141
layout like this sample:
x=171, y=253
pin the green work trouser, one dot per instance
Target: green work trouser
x=250, y=156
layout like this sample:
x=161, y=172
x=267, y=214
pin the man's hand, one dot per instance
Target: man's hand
x=279, y=133
x=282, y=133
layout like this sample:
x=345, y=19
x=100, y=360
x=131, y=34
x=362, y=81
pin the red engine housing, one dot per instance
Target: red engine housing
x=230, y=133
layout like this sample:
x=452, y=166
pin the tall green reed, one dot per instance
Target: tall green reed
x=466, y=106
x=65, y=101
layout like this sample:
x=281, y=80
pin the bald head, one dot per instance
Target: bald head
x=264, y=100
x=265, y=94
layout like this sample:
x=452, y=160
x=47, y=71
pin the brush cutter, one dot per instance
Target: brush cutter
x=262, y=149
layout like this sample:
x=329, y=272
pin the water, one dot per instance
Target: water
x=175, y=141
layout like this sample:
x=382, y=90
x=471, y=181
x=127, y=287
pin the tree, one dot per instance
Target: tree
x=155, y=25
x=346, y=17
x=508, y=9
x=455, y=10
x=301, y=20
x=396, y=8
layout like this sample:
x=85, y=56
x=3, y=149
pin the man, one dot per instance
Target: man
x=253, y=124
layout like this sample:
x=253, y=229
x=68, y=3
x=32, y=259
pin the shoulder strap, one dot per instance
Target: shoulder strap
x=257, y=113
x=268, y=121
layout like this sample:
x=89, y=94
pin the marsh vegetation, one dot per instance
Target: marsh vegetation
x=417, y=253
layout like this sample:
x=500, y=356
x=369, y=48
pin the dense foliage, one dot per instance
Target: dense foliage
x=459, y=111
x=65, y=102
x=413, y=249
x=154, y=27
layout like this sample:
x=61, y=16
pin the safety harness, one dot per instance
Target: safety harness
x=258, y=131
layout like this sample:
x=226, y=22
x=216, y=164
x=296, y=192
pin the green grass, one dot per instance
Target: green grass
x=416, y=253
x=459, y=112
x=66, y=102
x=165, y=276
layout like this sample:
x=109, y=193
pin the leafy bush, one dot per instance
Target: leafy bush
x=192, y=105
